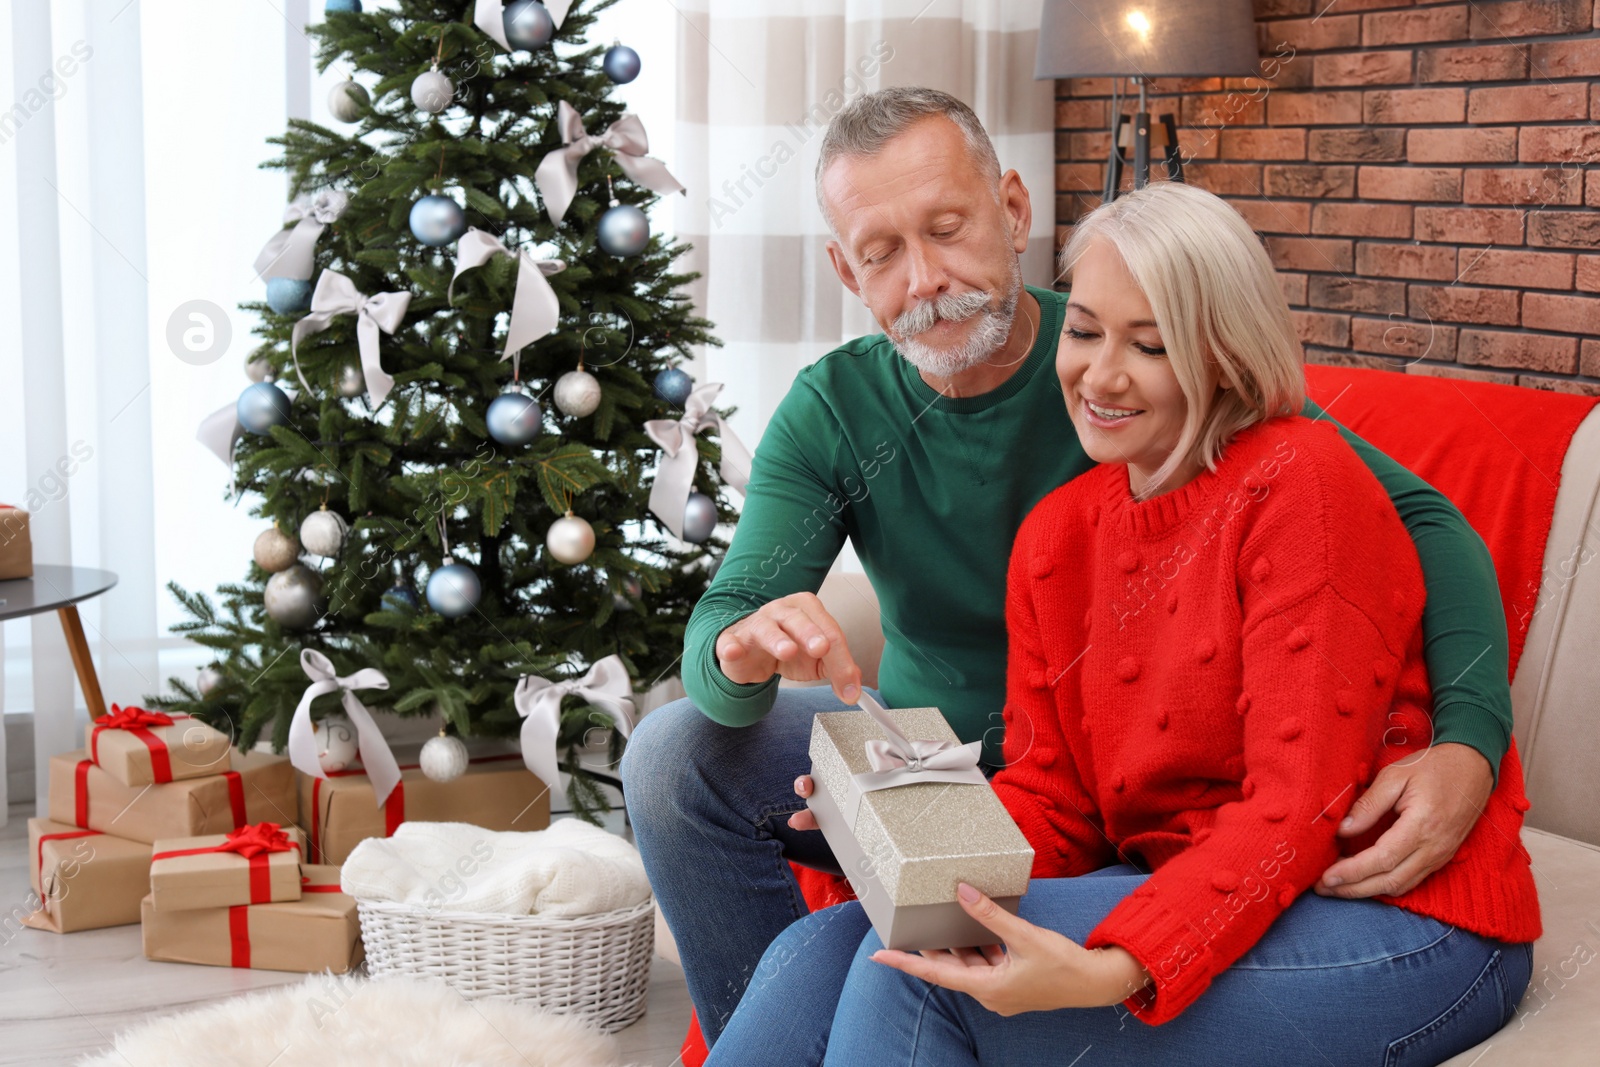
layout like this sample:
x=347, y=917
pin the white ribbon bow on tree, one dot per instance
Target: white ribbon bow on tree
x=557, y=176
x=338, y=295
x=220, y=431
x=376, y=759
x=675, y=475
x=900, y=761
x=538, y=701
x=489, y=16
x=535, y=310
x=291, y=253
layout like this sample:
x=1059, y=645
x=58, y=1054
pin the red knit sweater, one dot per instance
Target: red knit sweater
x=1206, y=680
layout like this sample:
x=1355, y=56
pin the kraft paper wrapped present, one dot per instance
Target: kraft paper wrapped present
x=496, y=793
x=258, y=787
x=319, y=932
x=84, y=879
x=16, y=544
x=139, y=747
x=909, y=815
x=257, y=864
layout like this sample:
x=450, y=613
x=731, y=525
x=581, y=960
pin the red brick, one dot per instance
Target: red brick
x=1411, y=27
x=1433, y=262
x=1080, y=147
x=1321, y=328
x=1362, y=220
x=1275, y=216
x=1078, y=88
x=1460, y=303
x=1284, y=69
x=1494, y=144
x=1566, y=59
x=1333, y=357
x=1474, y=225
x=1264, y=144
x=1543, y=187
x=1362, y=68
x=1079, y=177
x=1082, y=113
x=1412, y=106
x=1272, y=9
x=1526, y=270
x=1227, y=179
x=1196, y=144
x=1343, y=293
x=1293, y=286
x=1223, y=109
x=1311, y=35
x=1559, y=385
x=1476, y=63
x=1588, y=276
x=1573, y=145
x=1309, y=253
x=1190, y=85
x=1524, y=351
x=1589, y=360
x=1340, y=108
x=1570, y=314
x=1402, y=339
x=1312, y=182
x=1493, y=19
x=1591, y=185
x=1465, y=374
x=1410, y=183
x=1364, y=145
x=1564, y=229
x=1528, y=103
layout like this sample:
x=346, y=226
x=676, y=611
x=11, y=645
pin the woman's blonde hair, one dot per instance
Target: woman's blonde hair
x=1216, y=301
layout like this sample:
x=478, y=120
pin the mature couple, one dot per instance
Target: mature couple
x=1219, y=652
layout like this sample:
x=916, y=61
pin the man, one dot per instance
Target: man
x=926, y=446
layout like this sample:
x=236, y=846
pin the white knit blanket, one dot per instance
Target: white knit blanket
x=572, y=868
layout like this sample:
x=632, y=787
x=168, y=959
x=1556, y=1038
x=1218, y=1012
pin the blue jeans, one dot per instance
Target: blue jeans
x=709, y=806
x=1333, y=982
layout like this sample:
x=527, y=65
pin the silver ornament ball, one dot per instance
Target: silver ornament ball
x=276, y=551
x=432, y=91
x=453, y=590
x=352, y=382
x=528, y=25
x=571, y=539
x=514, y=417
x=699, y=518
x=260, y=370
x=400, y=597
x=624, y=230
x=348, y=101
x=577, y=393
x=208, y=679
x=621, y=64
x=323, y=533
x=262, y=406
x=293, y=597
x=443, y=758
x=437, y=220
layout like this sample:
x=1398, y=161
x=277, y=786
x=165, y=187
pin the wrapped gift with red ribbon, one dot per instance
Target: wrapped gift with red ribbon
x=83, y=879
x=139, y=747
x=253, y=787
x=255, y=864
x=319, y=932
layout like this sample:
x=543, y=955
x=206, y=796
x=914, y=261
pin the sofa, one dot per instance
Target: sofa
x=1555, y=694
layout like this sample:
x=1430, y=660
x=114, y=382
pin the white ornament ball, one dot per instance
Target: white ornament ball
x=514, y=417
x=348, y=101
x=432, y=91
x=276, y=551
x=571, y=539
x=624, y=230
x=337, y=743
x=259, y=370
x=293, y=598
x=699, y=518
x=577, y=393
x=208, y=679
x=453, y=590
x=443, y=758
x=323, y=533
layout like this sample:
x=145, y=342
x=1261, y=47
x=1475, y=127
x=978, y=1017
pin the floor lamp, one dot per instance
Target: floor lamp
x=1145, y=39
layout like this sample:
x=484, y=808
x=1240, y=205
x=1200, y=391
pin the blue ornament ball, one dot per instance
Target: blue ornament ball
x=263, y=406
x=624, y=230
x=528, y=25
x=453, y=590
x=437, y=220
x=621, y=64
x=288, y=296
x=351, y=6
x=514, y=417
x=674, y=386
x=400, y=597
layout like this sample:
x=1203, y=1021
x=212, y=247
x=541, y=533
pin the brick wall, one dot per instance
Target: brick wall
x=1426, y=178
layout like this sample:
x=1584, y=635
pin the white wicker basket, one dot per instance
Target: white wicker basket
x=597, y=966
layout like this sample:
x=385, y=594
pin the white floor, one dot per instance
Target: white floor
x=64, y=996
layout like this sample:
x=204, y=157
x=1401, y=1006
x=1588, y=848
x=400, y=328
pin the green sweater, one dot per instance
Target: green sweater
x=931, y=490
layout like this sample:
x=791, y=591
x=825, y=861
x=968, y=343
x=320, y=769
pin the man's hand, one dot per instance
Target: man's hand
x=1438, y=798
x=793, y=636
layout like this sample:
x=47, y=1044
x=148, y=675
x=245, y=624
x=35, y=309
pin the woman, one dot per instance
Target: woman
x=1215, y=643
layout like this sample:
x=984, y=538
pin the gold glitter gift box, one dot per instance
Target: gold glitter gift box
x=904, y=847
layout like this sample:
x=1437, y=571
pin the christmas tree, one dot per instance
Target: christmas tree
x=398, y=485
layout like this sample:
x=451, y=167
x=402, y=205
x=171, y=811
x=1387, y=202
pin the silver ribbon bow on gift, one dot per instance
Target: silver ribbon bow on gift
x=557, y=176
x=338, y=295
x=376, y=759
x=538, y=701
x=675, y=475
x=291, y=253
x=489, y=16
x=535, y=310
x=900, y=761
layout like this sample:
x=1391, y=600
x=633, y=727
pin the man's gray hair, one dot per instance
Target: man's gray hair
x=867, y=124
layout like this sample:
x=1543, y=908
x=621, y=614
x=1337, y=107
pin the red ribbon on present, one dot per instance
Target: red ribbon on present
x=137, y=721
x=80, y=793
x=307, y=887
x=255, y=843
x=58, y=837
x=239, y=935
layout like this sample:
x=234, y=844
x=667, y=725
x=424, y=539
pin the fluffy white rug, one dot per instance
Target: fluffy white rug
x=345, y=1021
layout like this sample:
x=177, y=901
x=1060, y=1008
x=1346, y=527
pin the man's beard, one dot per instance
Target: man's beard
x=988, y=335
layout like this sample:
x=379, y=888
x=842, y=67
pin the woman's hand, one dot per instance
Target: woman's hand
x=1035, y=970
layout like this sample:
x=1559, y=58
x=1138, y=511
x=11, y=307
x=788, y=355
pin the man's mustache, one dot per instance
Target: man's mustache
x=955, y=307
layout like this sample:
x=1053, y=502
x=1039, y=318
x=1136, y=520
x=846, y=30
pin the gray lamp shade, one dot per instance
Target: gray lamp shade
x=1147, y=39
